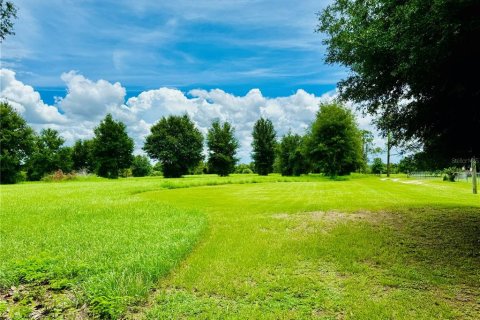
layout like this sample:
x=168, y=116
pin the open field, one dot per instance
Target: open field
x=241, y=247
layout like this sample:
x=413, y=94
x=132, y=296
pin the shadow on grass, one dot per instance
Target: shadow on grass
x=445, y=239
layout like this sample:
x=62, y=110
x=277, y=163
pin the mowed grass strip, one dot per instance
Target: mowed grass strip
x=92, y=246
x=357, y=249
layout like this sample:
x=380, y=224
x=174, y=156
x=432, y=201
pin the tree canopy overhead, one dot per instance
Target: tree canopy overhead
x=415, y=61
x=8, y=12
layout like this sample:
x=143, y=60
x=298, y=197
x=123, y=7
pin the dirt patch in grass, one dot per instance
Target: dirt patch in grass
x=40, y=301
x=339, y=217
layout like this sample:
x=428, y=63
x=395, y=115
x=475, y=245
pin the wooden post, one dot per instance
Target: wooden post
x=474, y=175
x=389, y=146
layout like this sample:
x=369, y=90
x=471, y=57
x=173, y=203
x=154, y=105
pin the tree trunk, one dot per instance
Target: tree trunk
x=474, y=176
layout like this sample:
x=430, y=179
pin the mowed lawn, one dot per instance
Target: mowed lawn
x=273, y=248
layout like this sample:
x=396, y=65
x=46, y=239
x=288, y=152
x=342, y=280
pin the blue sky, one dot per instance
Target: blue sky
x=73, y=61
x=232, y=45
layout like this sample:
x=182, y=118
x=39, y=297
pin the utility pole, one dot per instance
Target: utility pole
x=474, y=175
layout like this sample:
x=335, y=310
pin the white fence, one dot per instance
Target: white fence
x=459, y=176
x=465, y=175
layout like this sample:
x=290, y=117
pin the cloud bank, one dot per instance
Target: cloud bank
x=86, y=102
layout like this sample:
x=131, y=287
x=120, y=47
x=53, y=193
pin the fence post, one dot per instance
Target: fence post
x=474, y=175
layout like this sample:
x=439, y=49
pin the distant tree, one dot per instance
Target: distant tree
x=222, y=147
x=16, y=143
x=157, y=169
x=8, y=12
x=82, y=156
x=367, y=143
x=276, y=163
x=48, y=155
x=292, y=160
x=414, y=62
x=176, y=143
x=141, y=166
x=200, y=168
x=112, y=148
x=422, y=161
x=378, y=167
x=243, y=168
x=335, y=143
x=263, y=146
x=407, y=165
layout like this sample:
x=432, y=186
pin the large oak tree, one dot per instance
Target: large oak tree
x=16, y=143
x=335, y=142
x=176, y=143
x=415, y=62
x=112, y=147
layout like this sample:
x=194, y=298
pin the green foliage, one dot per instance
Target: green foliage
x=263, y=145
x=378, y=167
x=16, y=143
x=8, y=12
x=450, y=174
x=141, y=166
x=58, y=176
x=112, y=148
x=407, y=165
x=201, y=168
x=176, y=143
x=48, y=156
x=420, y=161
x=222, y=147
x=108, y=307
x=157, y=170
x=292, y=160
x=243, y=168
x=413, y=63
x=368, y=148
x=82, y=156
x=335, y=143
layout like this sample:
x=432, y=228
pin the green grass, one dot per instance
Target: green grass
x=99, y=239
x=242, y=247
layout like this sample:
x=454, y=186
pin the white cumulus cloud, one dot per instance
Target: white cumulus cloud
x=86, y=99
x=26, y=100
x=87, y=102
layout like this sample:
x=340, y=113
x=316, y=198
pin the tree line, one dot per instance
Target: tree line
x=333, y=145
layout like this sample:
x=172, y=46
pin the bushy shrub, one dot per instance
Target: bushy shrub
x=141, y=166
x=244, y=168
x=125, y=173
x=58, y=176
x=377, y=166
x=450, y=174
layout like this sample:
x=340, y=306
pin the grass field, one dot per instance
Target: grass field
x=240, y=247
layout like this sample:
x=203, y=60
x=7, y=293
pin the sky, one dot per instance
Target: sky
x=71, y=62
